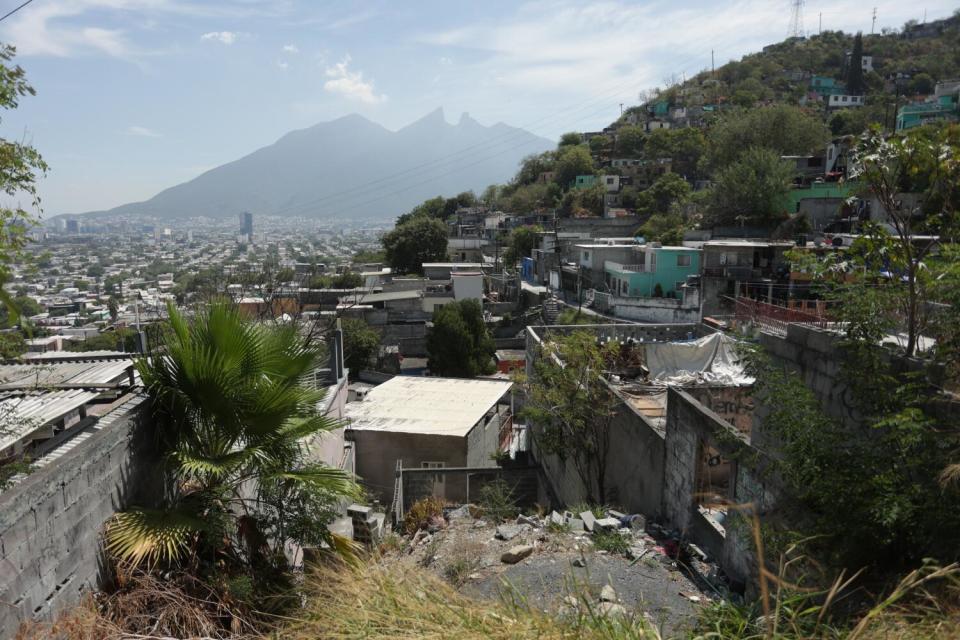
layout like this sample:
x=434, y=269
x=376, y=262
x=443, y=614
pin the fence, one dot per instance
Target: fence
x=774, y=318
x=461, y=485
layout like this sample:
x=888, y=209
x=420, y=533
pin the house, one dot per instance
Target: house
x=943, y=105
x=656, y=267
x=584, y=182
x=844, y=101
x=736, y=267
x=429, y=423
x=825, y=86
x=866, y=62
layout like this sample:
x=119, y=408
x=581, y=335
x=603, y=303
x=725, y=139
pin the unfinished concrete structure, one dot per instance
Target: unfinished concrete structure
x=429, y=423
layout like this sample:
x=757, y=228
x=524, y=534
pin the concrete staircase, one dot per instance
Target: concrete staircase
x=551, y=309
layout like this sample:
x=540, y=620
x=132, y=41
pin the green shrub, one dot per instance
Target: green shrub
x=421, y=512
x=497, y=502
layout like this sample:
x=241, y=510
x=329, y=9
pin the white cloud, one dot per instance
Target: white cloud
x=143, y=132
x=290, y=48
x=282, y=65
x=224, y=37
x=574, y=47
x=351, y=84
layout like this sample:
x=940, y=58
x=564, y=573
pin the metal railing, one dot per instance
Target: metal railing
x=773, y=317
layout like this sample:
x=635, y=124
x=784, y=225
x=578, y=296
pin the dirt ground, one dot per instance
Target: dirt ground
x=467, y=552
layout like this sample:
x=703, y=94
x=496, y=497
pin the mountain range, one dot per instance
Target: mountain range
x=352, y=168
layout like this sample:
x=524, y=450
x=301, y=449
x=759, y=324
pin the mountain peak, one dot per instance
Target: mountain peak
x=435, y=118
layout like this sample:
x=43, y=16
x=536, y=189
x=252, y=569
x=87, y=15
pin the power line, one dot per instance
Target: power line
x=15, y=10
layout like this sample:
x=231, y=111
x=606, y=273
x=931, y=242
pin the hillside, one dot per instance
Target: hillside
x=903, y=66
x=351, y=167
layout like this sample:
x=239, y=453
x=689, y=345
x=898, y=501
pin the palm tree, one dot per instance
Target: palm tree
x=233, y=402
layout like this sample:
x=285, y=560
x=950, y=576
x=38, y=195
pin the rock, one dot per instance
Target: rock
x=608, y=524
x=557, y=519
x=636, y=552
x=611, y=610
x=588, y=520
x=616, y=514
x=579, y=562
x=572, y=601
x=460, y=513
x=607, y=594
x=508, y=531
x=576, y=525
x=474, y=576
x=479, y=524
x=529, y=520
x=516, y=554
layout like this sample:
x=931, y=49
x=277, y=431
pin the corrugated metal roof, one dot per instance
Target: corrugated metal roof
x=23, y=414
x=436, y=406
x=98, y=373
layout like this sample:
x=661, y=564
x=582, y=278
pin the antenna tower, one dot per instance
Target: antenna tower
x=796, y=20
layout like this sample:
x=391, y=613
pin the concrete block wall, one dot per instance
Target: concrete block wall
x=50, y=523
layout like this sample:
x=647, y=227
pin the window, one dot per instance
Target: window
x=609, y=180
x=683, y=261
x=586, y=255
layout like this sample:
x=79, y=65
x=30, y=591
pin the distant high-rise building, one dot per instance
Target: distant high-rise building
x=73, y=226
x=246, y=224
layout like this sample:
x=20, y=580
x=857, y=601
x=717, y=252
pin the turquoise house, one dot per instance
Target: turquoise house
x=826, y=86
x=656, y=265
x=946, y=107
x=584, y=182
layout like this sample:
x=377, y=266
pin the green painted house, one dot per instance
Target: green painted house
x=946, y=107
x=584, y=182
x=656, y=265
x=826, y=86
x=818, y=190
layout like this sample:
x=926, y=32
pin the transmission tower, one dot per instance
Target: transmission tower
x=796, y=20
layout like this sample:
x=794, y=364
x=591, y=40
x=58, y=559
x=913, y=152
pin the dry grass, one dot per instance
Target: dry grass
x=377, y=601
x=148, y=607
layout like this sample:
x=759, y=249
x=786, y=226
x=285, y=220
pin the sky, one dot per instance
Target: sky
x=134, y=96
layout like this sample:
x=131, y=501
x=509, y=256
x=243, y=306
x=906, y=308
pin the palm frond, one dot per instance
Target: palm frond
x=321, y=477
x=151, y=536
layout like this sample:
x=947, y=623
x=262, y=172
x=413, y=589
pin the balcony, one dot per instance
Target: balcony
x=628, y=268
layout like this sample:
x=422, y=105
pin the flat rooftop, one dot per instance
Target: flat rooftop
x=432, y=406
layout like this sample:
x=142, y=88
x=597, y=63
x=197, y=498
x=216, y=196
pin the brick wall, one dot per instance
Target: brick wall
x=50, y=523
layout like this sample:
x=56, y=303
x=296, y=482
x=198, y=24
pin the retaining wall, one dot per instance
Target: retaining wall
x=51, y=521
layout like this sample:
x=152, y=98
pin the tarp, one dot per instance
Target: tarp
x=708, y=360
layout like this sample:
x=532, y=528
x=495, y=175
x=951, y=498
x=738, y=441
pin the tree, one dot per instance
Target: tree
x=113, y=306
x=666, y=228
x=570, y=139
x=360, y=344
x=20, y=164
x=25, y=307
x=684, y=147
x=410, y=244
x=915, y=178
x=432, y=208
x=669, y=189
x=520, y=244
x=458, y=343
x=231, y=410
x=532, y=166
x=922, y=83
x=855, y=84
x=95, y=270
x=629, y=141
x=573, y=161
x=783, y=129
x=570, y=407
x=12, y=345
x=751, y=190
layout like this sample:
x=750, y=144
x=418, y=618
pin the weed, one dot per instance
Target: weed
x=421, y=513
x=610, y=541
x=391, y=543
x=497, y=502
x=598, y=510
x=558, y=527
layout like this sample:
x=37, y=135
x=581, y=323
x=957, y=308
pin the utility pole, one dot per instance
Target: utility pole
x=713, y=69
x=820, y=24
x=621, y=108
